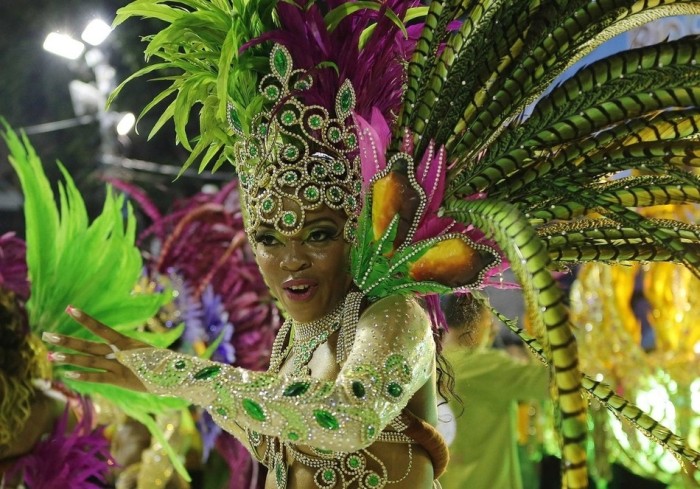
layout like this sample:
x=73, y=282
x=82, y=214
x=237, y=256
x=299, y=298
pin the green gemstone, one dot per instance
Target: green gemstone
x=267, y=205
x=346, y=100
x=296, y=389
x=180, y=364
x=352, y=202
x=289, y=218
x=338, y=167
x=281, y=62
x=312, y=194
x=288, y=117
x=221, y=411
x=253, y=151
x=290, y=177
x=279, y=475
x=315, y=121
x=354, y=462
x=329, y=475
x=326, y=420
x=272, y=92
x=293, y=436
x=207, y=372
x=319, y=171
x=394, y=389
x=235, y=120
x=351, y=140
x=335, y=194
x=334, y=135
x=263, y=129
x=370, y=431
x=406, y=369
x=373, y=480
x=358, y=389
x=254, y=410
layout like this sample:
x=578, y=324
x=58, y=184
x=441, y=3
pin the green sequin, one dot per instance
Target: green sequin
x=354, y=462
x=329, y=475
x=254, y=410
x=292, y=436
x=288, y=117
x=358, y=389
x=207, y=372
x=326, y=420
x=312, y=194
x=394, y=389
x=280, y=62
x=370, y=431
x=221, y=411
x=289, y=219
x=267, y=205
x=272, y=92
x=315, y=121
x=373, y=480
x=235, y=120
x=334, y=135
x=180, y=364
x=296, y=389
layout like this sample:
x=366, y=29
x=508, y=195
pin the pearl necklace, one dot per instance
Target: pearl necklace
x=308, y=337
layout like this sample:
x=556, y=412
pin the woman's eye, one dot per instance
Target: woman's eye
x=266, y=239
x=320, y=235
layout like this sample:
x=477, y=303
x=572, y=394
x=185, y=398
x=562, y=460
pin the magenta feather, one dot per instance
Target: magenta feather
x=13, y=265
x=79, y=459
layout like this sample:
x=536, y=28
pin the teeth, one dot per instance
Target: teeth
x=299, y=287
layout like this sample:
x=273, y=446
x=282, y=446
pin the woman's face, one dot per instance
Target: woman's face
x=307, y=272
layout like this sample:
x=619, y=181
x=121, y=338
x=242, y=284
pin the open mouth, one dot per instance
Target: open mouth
x=301, y=291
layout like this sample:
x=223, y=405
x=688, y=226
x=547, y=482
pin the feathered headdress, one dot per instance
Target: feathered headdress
x=456, y=178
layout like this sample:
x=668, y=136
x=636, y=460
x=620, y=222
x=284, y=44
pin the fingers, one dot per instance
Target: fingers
x=76, y=344
x=86, y=361
x=97, y=327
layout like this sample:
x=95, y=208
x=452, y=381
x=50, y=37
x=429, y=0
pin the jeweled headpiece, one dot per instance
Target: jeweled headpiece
x=296, y=157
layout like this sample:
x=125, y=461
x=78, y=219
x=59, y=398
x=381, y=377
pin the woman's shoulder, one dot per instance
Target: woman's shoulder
x=396, y=307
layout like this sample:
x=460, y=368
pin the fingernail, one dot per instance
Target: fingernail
x=73, y=312
x=50, y=337
x=56, y=357
x=71, y=374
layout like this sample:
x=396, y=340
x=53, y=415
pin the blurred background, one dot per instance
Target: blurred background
x=56, y=90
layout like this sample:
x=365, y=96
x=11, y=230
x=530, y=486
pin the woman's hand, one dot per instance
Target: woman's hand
x=95, y=355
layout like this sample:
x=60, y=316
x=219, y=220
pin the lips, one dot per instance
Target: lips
x=300, y=290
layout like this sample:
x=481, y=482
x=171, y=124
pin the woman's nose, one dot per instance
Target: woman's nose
x=294, y=257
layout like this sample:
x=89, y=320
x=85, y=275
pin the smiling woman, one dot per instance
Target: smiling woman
x=308, y=272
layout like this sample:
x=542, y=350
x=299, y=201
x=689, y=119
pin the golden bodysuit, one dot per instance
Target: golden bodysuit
x=329, y=414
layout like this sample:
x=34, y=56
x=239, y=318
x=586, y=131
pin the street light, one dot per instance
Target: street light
x=96, y=32
x=63, y=45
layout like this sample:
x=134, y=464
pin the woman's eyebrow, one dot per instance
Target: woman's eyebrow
x=319, y=220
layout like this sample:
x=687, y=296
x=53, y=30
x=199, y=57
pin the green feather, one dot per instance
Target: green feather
x=93, y=266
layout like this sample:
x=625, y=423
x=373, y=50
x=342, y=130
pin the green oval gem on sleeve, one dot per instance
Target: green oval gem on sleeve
x=394, y=389
x=296, y=389
x=254, y=410
x=358, y=389
x=326, y=420
x=180, y=364
x=207, y=372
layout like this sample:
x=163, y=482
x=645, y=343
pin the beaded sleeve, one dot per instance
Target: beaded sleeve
x=391, y=358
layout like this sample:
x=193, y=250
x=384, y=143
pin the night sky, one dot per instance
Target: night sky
x=34, y=90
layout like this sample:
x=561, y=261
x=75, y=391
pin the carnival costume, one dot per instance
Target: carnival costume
x=409, y=119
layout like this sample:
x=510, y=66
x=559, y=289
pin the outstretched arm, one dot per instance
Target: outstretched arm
x=390, y=360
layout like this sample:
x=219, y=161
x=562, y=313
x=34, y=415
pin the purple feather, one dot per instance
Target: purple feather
x=13, y=265
x=79, y=460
